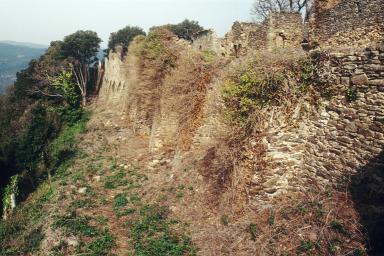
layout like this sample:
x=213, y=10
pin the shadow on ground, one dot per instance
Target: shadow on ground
x=367, y=189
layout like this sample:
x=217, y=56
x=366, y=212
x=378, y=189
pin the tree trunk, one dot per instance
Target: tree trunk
x=84, y=99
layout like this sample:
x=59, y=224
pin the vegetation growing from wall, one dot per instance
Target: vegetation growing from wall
x=266, y=81
x=157, y=57
x=186, y=87
x=157, y=53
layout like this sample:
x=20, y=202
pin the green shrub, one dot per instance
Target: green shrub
x=120, y=200
x=123, y=37
x=184, y=29
x=351, y=94
x=155, y=49
x=253, y=231
x=248, y=93
x=102, y=244
x=75, y=225
x=306, y=245
x=266, y=81
x=65, y=145
x=152, y=235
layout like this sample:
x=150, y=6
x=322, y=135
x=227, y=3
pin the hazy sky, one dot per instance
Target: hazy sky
x=42, y=21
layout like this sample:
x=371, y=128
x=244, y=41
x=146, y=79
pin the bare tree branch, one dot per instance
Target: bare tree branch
x=262, y=8
x=38, y=91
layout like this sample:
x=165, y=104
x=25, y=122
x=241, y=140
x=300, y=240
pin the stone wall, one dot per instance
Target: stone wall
x=207, y=40
x=114, y=85
x=279, y=30
x=347, y=23
x=243, y=37
x=350, y=131
x=334, y=142
x=313, y=147
x=285, y=30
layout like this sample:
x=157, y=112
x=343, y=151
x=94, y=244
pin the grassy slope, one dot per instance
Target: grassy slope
x=94, y=205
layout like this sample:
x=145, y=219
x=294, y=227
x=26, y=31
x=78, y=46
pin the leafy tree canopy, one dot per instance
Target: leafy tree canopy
x=82, y=46
x=123, y=37
x=184, y=29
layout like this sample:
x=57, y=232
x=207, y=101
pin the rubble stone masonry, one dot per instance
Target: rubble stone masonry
x=336, y=141
x=356, y=23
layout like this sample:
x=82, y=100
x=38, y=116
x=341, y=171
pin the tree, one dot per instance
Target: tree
x=261, y=8
x=81, y=48
x=184, y=29
x=123, y=37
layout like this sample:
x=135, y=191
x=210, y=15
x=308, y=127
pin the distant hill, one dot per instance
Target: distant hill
x=14, y=56
x=25, y=44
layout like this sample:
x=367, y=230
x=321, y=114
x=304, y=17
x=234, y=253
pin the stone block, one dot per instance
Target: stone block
x=351, y=127
x=345, y=81
x=374, y=67
x=359, y=79
x=376, y=82
x=350, y=67
x=352, y=58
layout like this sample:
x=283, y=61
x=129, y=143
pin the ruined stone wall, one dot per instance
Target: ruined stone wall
x=334, y=142
x=243, y=37
x=279, y=30
x=118, y=91
x=114, y=85
x=313, y=147
x=350, y=131
x=285, y=30
x=207, y=40
x=347, y=23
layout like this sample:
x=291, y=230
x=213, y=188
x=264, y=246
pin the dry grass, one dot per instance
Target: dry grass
x=157, y=55
x=184, y=92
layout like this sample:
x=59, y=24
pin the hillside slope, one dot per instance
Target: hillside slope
x=190, y=153
x=13, y=58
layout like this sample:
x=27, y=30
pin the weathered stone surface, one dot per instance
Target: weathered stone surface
x=359, y=79
x=345, y=81
x=343, y=23
x=376, y=82
x=278, y=30
x=374, y=67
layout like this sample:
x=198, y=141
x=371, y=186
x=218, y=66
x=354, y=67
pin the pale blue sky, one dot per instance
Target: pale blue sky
x=42, y=21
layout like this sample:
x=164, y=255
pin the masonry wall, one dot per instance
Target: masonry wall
x=333, y=142
x=207, y=40
x=347, y=23
x=279, y=30
x=350, y=131
x=114, y=85
x=285, y=30
x=244, y=36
